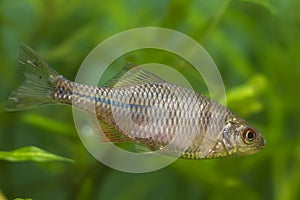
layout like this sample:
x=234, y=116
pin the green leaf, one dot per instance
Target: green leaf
x=244, y=99
x=48, y=124
x=31, y=153
x=265, y=4
x=23, y=199
x=2, y=197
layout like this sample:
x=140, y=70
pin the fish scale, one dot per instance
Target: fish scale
x=132, y=96
x=138, y=106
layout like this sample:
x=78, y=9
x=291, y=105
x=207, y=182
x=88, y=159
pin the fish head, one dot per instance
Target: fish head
x=245, y=139
x=237, y=138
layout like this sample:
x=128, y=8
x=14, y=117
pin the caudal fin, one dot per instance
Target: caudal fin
x=37, y=87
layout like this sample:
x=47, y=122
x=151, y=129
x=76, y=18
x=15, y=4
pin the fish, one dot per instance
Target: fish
x=138, y=106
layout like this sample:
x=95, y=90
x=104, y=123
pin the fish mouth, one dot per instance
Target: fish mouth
x=262, y=144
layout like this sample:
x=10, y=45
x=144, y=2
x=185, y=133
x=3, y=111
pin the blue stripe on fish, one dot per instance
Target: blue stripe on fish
x=108, y=101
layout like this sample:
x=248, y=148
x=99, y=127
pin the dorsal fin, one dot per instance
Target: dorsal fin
x=130, y=75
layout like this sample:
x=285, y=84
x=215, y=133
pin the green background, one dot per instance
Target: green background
x=256, y=47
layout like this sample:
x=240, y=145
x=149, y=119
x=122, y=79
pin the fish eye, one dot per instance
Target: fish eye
x=249, y=135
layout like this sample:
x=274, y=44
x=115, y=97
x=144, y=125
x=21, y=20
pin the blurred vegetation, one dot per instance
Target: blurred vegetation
x=255, y=45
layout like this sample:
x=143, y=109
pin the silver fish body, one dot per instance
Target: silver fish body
x=142, y=108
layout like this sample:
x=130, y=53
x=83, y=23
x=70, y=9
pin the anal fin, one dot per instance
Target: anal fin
x=111, y=134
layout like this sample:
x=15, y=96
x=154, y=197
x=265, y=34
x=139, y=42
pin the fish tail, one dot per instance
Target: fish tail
x=38, y=85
